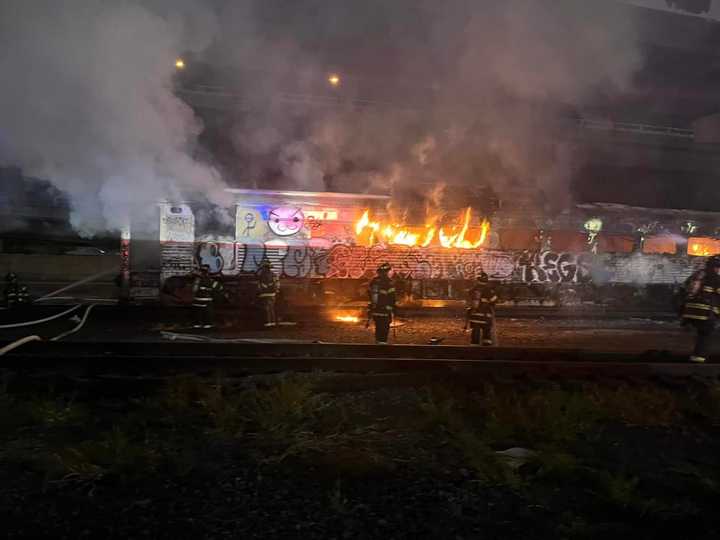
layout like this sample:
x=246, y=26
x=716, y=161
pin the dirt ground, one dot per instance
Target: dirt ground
x=626, y=335
x=602, y=332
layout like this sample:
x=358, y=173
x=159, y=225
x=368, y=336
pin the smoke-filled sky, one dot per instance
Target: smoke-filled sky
x=476, y=89
x=87, y=96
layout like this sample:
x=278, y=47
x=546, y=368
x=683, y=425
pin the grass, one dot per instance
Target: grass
x=286, y=423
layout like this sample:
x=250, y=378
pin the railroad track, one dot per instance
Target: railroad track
x=138, y=359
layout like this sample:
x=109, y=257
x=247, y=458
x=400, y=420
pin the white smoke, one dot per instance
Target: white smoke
x=86, y=101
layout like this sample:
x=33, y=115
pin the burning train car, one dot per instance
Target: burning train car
x=328, y=245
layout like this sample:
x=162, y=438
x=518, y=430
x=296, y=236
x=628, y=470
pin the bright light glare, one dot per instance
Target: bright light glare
x=334, y=80
x=180, y=63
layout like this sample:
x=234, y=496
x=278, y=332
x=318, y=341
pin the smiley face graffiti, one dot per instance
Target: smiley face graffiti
x=286, y=220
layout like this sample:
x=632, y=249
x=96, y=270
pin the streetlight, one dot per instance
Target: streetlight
x=334, y=80
x=180, y=63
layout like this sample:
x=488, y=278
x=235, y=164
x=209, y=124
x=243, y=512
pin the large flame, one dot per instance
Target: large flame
x=458, y=240
x=702, y=248
x=370, y=232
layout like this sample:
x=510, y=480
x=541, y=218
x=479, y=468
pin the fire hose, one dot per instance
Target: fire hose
x=40, y=321
x=28, y=339
x=76, y=328
x=18, y=343
x=53, y=296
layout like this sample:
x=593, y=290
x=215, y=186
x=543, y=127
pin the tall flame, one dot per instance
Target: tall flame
x=368, y=232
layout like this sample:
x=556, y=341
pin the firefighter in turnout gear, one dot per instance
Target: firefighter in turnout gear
x=702, y=305
x=481, y=311
x=205, y=290
x=268, y=288
x=15, y=294
x=382, y=302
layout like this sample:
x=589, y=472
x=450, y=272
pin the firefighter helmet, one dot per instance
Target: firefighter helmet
x=713, y=262
x=265, y=264
x=384, y=268
x=11, y=276
x=482, y=277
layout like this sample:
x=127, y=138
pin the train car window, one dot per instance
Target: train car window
x=518, y=239
x=703, y=246
x=214, y=223
x=615, y=243
x=659, y=244
x=569, y=241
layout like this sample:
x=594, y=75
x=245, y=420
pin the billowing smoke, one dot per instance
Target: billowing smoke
x=462, y=92
x=86, y=101
x=458, y=92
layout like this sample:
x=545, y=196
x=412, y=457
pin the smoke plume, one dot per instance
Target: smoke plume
x=472, y=93
x=86, y=102
x=459, y=92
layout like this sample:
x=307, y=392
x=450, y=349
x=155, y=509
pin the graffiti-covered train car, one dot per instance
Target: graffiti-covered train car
x=327, y=245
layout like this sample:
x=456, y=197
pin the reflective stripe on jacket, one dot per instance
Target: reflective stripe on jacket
x=268, y=284
x=703, y=302
x=382, y=297
x=205, y=290
x=482, y=300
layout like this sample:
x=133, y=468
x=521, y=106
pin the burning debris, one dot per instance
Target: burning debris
x=456, y=235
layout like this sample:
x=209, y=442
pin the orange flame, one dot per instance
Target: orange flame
x=347, y=318
x=369, y=232
x=701, y=250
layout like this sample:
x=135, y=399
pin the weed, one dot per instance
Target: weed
x=182, y=392
x=338, y=502
x=488, y=466
x=555, y=464
x=618, y=489
x=9, y=419
x=114, y=454
x=709, y=402
x=439, y=411
x=637, y=405
x=573, y=527
x=289, y=419
x=554, y=416
x=74, y=464
x=60, y=411
x=702, y=480
x=223, y=410
x=284, y=408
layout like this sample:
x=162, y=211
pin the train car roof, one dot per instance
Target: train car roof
x=305, y=194
x=666, y=212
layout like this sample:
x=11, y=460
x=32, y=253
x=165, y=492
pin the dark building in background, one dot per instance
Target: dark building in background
x=35, y=219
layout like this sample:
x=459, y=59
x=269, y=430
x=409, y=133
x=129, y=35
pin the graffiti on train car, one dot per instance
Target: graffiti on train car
x=553, y=267
x=356, y=262
x=292, y=261
x=219, y=256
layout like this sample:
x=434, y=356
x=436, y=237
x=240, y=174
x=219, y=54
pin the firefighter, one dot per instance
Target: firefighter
x=268, y=288
x=481, y=311
x=205, y=291
x=382, y=303
x=15, y=294
x=702, y=305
